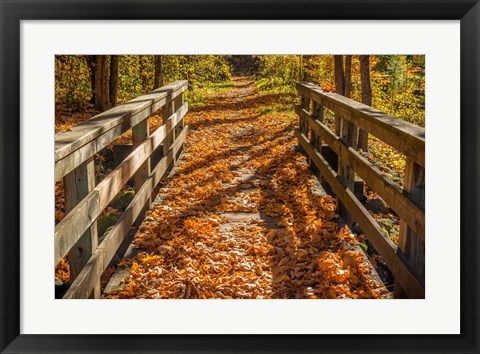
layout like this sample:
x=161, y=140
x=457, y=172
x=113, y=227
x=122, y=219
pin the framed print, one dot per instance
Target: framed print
x=270, y=176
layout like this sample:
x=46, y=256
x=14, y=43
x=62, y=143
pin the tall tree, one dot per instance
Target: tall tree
x=98, y=67
x=158, y=82
x=91, y=66
x=339, y=75
x=104, y=80
x=105, y=84
x=114, y=59
x=366, y=96
x=144, y=72
x=101, y=88
x=348, y=75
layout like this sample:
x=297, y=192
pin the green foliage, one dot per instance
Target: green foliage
x=398, y=87
x=397, y=81
x=288, y=68
x=276, y=85
x=72, y=80
x=136, y=75
x=197, y=98
x=122, y=199
x=106, y=221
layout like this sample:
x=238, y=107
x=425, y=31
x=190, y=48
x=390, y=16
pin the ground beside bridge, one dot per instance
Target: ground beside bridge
x=241, y=216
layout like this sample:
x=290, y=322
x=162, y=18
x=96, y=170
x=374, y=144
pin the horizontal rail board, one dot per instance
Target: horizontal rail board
x=393, y=194
x=72, y=160
x=70, y=229
x=397, y=263
x=406, y=137
x=85, y=132
x=84, y=283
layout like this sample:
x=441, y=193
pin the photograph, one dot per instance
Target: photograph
x=239, y=176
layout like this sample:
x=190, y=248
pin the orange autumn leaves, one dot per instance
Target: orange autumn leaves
x=239, y=218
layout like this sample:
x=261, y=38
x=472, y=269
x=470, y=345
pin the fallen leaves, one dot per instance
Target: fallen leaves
x=239, y=218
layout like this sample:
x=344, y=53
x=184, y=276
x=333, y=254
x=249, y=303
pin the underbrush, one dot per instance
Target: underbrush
x=276, y=85
x=281, y=96
x=197, y=96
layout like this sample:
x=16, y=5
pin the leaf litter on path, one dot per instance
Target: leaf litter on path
x=283, y=240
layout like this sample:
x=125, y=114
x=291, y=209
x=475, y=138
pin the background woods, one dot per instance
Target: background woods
x=391, y=83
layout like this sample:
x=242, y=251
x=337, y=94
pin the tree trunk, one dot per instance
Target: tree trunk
x=113, y=80
x=190, y=72
x=143, y=74
x=158, y=82
x=339, y=75
x=366, y=96
x=91, y=66
x=101, y=83
x=98, y=83
x=348, y=75
x=105, y=83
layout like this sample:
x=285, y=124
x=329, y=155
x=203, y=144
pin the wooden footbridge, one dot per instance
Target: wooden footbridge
x=331, y=152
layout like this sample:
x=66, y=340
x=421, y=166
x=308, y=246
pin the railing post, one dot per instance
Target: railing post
x=302, y=123
x=410, y=243
x=305, y=104
x=177, y=103
x=317, y=114
x=77, y=184
x=348, y=134
x=140, y=133
x=167, y=111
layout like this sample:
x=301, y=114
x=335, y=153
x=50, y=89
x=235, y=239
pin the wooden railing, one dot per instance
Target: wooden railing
x=76, y=234
x=407, y=260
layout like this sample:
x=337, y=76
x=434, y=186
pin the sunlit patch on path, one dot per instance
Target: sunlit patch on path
x=241, y=216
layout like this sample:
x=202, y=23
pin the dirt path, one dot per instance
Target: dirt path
x=242, y=217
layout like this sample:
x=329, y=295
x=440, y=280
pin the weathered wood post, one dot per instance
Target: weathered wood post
x=167, y=111
x=317, y=114
x=140, y=133
x=302, y=123
x=348, y=134
x=77, y=184
x=411, y=242
x=177, y=103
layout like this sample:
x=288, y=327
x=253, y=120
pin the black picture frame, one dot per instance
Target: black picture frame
x=12, y=12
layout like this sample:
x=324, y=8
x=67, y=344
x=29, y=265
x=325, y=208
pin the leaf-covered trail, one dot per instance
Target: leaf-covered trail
x=242, y=217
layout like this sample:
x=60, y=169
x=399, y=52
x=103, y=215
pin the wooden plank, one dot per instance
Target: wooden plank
x=410, y=281
x=69, y=230
x=77, y=184
x=105, y=252
x=396, y=198
x=403, y=136
x=85, y=132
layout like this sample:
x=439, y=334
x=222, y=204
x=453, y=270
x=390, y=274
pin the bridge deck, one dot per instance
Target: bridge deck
x=241, y=216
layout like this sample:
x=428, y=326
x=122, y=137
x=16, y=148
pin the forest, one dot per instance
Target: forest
x=244, y=207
